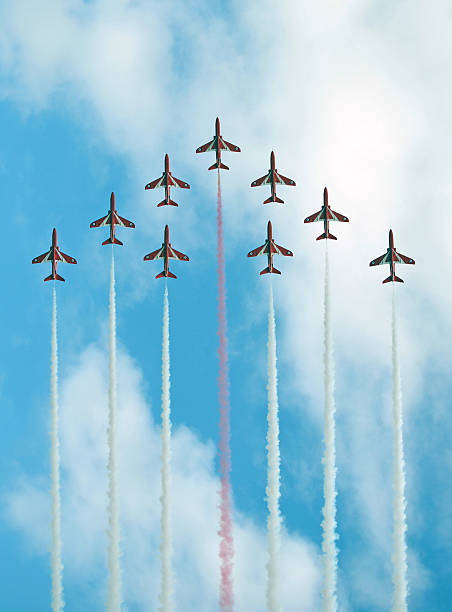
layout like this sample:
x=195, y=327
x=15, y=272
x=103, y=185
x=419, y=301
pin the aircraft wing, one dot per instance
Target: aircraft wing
x=386, y=258
x=318, y=216
x=207, y=147
x=179, y=183
x=279, y=178
x=157, y=183
x=338, y=217
x=231, y=147
x=67, y=258
x=283, y=251
x=173, y=254
x=41, y=258
x=403, y=259
x=158, y=254
x=264, y=180
x=262, y=250
x=100, y=222
x=125, y=222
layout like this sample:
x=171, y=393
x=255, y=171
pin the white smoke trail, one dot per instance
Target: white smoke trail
x=166, y=593
x=399, y=553
x=329, y=461
x=57, y=566
x=114, y=567
x=274, y=517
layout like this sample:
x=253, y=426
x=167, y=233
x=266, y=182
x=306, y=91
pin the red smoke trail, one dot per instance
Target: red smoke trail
x=225, y=533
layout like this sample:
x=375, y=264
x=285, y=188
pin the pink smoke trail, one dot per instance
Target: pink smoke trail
x=225, y=532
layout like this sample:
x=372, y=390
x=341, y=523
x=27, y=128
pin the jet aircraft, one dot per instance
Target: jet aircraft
x=273, y=177
x=167, y=180
x=54, y=255
x=326, y=215
x=166, y=252
x=392, y=257
x=218, y=144
x=112, y=219
x=270, y=248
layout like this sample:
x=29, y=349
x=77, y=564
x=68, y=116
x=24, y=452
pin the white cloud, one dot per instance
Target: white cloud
x=349, y=96
x=195, y=504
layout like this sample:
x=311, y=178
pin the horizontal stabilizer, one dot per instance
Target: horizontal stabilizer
x=56, y=277
x=326, y=235
x=392, y=278
x=274, y=199
x=162, y=274
x=164, y=203
x=272, y=270
x=218, y=165
x=110, y=241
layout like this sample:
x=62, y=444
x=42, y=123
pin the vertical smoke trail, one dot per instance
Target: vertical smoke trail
x=166, y=593
x=57, y=567
x=329, y=460
x=225, y=532
x=399, y=554
x=114, y=579
x=274, y=518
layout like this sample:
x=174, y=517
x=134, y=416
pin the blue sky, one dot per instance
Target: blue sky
x=92, y=97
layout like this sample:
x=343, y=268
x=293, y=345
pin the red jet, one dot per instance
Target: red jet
x=112, y=218
x=54, y=255
x=270, y=248
x=273, y=177
x=166, y=252
x=391, y=257
x=167, y=180
x=326, y=215
x=218, y=144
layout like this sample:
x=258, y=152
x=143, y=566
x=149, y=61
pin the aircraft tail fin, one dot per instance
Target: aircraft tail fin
x=274, y=199
x=271, y=270
x=110, y=241
x=170, y=202
x=54, y=277
x=326, y=235
x=162, y=274
x=392, y=278
x=219, y=165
